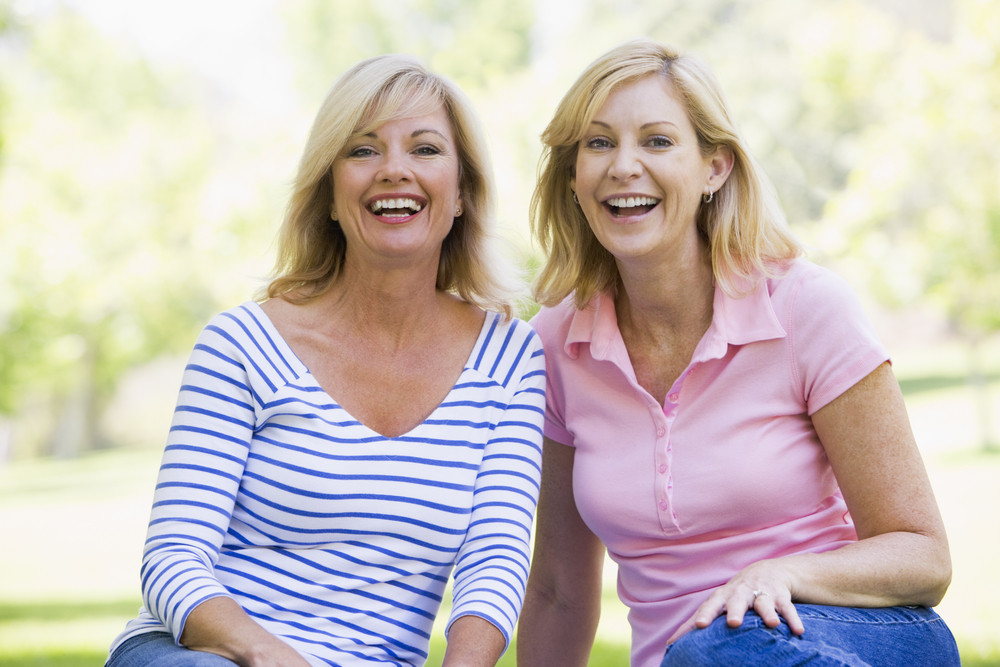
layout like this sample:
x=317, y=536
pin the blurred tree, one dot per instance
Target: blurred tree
x=921, y=214
x=477, y=44
x=129, y=198
x=4, y=20
x=110, y=255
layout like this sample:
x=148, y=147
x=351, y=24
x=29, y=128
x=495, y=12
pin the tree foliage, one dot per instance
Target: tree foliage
x=475, y=43
x=920, y=214
x=136, y=200
x=109, y=258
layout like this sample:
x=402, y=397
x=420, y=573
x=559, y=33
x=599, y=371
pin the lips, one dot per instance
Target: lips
x=631, y=205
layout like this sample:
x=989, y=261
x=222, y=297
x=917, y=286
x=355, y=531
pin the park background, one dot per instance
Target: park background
x=146, y=150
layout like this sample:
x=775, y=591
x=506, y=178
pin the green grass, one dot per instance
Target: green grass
x=72, y=531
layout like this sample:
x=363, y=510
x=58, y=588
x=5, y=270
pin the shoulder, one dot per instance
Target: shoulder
x=553, y=323
x=245, y=335
x=507, y=349
x=833, y=342
x=242, y=328
x=245, y=318
x=809, y=287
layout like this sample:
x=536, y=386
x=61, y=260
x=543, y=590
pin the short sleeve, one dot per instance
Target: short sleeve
x=552, y=325
x=834, y=344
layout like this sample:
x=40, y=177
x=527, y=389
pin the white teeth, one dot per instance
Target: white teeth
x=396, y=203
x=631, y=202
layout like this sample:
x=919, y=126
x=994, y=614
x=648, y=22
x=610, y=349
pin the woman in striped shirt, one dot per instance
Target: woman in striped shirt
x=366, y=432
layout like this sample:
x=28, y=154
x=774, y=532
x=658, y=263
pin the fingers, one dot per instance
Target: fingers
x=772, y=610
x=681, y=631
x=711, y=609
x=788, y=611
x=764, y=604
x=734, y=602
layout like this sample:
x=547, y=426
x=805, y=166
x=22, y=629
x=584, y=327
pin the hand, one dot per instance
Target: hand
x=270, y=653
x=220, y=626
x=759, y=587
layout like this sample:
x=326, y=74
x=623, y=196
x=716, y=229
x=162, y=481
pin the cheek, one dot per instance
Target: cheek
x=585, y=178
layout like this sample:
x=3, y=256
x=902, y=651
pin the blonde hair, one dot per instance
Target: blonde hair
x=743, y=224
x=312, y=247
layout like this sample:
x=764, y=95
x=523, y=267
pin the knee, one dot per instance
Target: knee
x=718, y=644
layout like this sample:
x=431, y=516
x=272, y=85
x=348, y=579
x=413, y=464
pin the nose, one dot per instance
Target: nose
x=626, y=165
x=394, y=168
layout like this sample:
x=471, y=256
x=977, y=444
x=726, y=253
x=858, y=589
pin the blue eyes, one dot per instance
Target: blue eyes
x=600, y=143
x=368, y=151
x=361, y=152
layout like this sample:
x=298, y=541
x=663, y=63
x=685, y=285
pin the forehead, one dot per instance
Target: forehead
x=436, y=123
x=648, y=99
x=398, y=104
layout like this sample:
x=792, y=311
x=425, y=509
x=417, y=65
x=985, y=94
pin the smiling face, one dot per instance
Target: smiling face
x=396, y=191
x=640, y=173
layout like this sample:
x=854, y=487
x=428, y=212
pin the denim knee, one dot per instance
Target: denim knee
x=844, y=636
x=753, y=643
x=158, y=649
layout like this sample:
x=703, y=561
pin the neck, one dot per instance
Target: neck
x=392, y=306
x=677, y=295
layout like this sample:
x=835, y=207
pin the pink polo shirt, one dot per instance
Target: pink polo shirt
x=729, y=470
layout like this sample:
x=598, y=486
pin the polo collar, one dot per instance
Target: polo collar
x=735, y=321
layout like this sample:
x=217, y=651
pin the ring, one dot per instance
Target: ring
x=757, y=594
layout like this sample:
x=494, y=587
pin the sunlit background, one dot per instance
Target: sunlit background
x=146, y=150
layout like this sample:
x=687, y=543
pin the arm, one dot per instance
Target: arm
x=491, y=568
x=473, y=642
x=563, y=602
x=220, y=626
x=196, y=491
x=901, y=556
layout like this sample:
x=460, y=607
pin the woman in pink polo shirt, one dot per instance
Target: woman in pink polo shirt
x=721, y=415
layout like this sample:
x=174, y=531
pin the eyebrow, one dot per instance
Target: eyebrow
x=644, y=126
x=413, y=135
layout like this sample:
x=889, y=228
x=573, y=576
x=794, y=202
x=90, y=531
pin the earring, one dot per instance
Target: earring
x=575, y=200
x=458, y=211
x=707, y=197
x=333, y=212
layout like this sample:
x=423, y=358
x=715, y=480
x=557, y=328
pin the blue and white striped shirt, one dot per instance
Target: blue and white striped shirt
x=333, y=537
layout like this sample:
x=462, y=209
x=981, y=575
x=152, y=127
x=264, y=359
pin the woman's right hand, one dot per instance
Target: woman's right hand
x=761, y=587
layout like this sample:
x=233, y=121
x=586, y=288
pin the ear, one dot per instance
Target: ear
x=720, y=165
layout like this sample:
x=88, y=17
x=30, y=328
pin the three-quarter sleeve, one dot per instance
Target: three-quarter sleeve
x=492, y=567
x=199, y=476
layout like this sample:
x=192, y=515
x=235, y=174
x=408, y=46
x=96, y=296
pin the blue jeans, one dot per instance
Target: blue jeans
x=158, y=649
x=834, y=636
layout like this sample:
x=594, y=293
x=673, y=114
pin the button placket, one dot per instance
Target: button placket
x=662, y=421
x=663, y=418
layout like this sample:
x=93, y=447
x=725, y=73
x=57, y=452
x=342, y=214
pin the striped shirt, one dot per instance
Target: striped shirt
x=337, y=539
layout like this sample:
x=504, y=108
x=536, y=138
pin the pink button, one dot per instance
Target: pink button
x=663, y=505
x=674, y=397
x=663, y=468
x=660, y=432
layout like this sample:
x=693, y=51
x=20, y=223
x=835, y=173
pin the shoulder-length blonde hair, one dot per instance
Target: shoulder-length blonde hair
x=743, y=224
x=312, y=247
